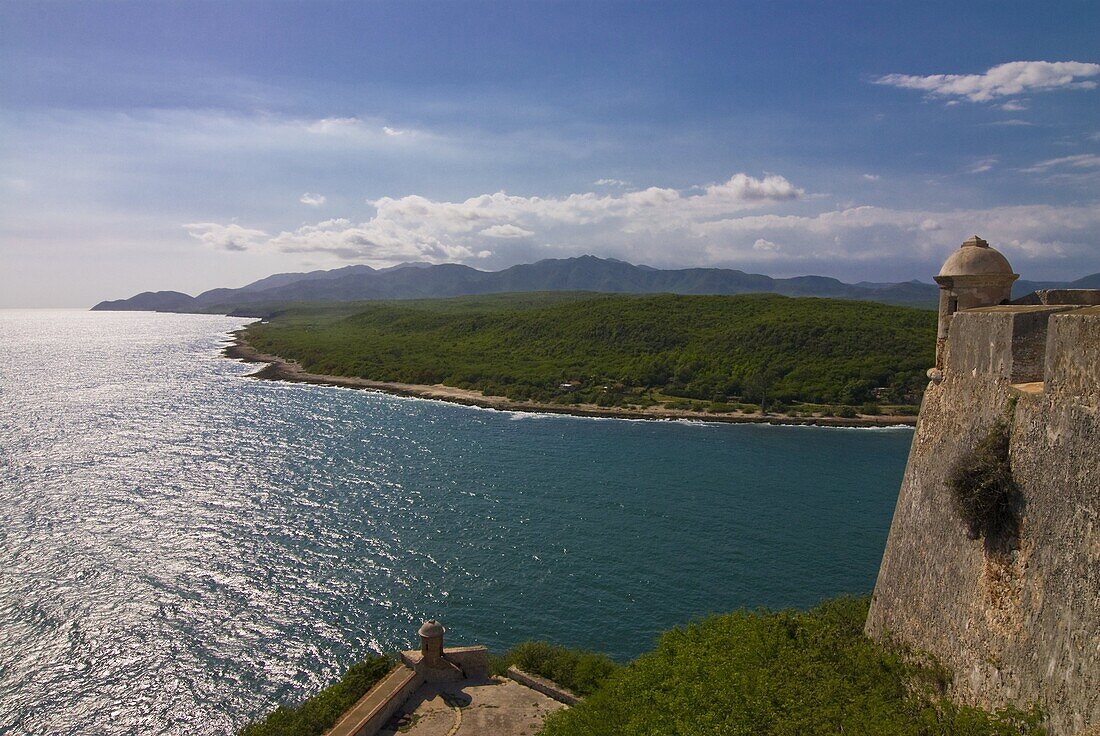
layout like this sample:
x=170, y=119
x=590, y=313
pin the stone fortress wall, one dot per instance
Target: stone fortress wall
x=1023, y=626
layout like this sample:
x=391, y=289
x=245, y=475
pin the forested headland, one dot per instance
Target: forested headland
x=715, y=353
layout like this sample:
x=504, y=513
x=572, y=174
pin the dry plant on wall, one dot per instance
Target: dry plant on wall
x=984, y=494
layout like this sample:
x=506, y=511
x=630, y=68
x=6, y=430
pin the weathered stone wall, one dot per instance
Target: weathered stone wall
x=1080, y=297
x=1022, y=628
x=474, y=661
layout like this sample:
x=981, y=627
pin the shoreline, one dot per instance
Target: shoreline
x=279, y=369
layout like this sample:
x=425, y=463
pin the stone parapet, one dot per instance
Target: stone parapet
x=474, y=661
x=1076, y=297
x=380, y=703
x=1003, y=342
x=1073, y=355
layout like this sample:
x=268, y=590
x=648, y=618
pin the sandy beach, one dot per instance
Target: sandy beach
x=279, y=369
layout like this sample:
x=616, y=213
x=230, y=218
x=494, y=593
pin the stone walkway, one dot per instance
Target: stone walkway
x=487, y=707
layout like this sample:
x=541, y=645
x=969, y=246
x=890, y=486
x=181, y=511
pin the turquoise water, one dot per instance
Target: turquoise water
x=181, y=548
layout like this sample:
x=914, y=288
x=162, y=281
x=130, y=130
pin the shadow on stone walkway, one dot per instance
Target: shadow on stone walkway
x=483, y=707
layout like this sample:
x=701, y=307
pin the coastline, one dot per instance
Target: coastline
x=279, y=369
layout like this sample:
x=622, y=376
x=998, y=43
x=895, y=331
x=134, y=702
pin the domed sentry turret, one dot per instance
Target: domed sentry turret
x=973, y=276
x=431, y=642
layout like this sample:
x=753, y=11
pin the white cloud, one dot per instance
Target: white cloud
x=871, y=234
x=1015, y=105
x=362, y=131
x=313, y=200
x=724, y=224
x=982, y=165
x=231, y=237
x=1010, y=123
x=610, y=183
x=333, y=125
x=415, y=227
x=506, y=231
x=1003, y=80
x=742, y=187
x=871, y=177
x=1079, y=161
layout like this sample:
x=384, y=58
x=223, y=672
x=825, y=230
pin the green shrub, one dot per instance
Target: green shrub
x=579, y=671
x=318, y=713
x=844, y=412
x=788, y=673
x=983, y=492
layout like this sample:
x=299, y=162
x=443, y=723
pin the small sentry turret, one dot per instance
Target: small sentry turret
x=431, y=642
x=973, y=276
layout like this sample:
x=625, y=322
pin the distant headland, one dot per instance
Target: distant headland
x=278, y=369
x=746, y=358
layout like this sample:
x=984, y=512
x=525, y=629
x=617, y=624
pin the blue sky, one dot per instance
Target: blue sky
x=192, y=145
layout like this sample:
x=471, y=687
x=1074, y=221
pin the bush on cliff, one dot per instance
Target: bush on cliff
x=318, y=713
x=788, y=673
x=578, y=671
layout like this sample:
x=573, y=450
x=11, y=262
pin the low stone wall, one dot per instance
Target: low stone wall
x=548, y=688
x=374, y=709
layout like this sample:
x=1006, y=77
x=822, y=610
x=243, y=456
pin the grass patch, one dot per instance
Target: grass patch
x=320, y=712
x=579, y=671
x=787, y=673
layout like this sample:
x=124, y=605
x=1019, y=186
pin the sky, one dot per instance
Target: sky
x=187, y=146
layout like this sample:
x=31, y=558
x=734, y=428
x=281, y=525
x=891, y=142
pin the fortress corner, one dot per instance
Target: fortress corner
x=1016, y=621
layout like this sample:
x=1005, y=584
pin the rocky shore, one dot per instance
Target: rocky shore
x=279, y=369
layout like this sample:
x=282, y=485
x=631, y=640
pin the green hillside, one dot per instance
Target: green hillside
x=784, y=673
x=620, y=349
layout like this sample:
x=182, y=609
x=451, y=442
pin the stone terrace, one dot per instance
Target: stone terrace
x=489, y=705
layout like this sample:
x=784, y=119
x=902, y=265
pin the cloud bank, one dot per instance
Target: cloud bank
x=1003, y=80
x=720, y=225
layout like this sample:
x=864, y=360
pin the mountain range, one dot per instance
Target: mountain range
x=584, y=273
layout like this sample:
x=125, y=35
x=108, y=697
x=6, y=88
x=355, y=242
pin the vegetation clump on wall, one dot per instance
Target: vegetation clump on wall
x=780, y=673
x=983, y=492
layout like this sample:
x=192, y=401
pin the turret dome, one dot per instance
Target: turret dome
x=431, y=629
x=976, y=258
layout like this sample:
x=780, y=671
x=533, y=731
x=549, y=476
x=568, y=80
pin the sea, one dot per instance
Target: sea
x=182, y=548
